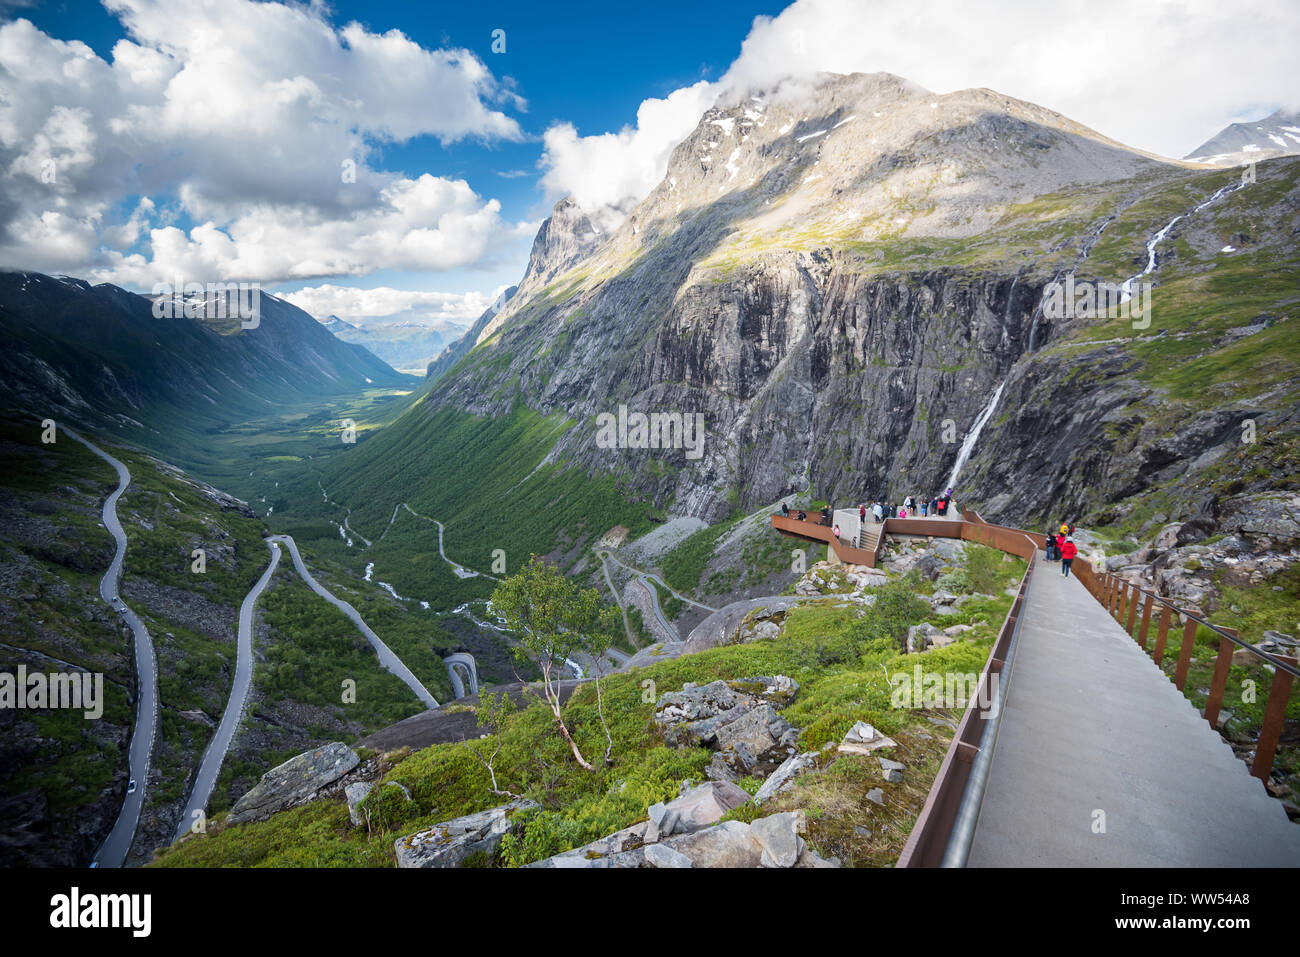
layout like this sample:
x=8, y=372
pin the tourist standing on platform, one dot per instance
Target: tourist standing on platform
x=785, y=510
x=862, y=514
x=1068, y=551
x=878, y=511
x=1050, y=541
x=836, y=532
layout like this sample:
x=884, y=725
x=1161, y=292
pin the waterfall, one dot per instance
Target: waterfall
x=1064, y=274
x=968, y=444
x=1126, y=289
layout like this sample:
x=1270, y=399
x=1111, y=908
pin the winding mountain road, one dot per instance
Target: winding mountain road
x=460, y=570
x=112, y=853
x=387, y=658
x=650, y=576
x=646, y=579
x=210, y=767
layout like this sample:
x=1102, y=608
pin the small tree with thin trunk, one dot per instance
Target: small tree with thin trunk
x=556, y=619
x=491, y=713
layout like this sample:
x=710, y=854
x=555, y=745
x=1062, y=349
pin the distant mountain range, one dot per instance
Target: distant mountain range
x=98, y=356
x=405, y=345
x=1275, y=135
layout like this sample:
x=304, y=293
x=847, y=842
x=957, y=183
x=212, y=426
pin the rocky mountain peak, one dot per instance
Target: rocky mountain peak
x=565, y=237
x=1277, y=134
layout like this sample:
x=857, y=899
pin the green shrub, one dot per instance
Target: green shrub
x=984, y=568
x=387, y=808
x=897, y=608
x=954, y=582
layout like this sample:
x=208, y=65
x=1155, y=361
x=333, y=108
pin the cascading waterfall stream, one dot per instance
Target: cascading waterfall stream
x=1126, y=289
x=1061, y=276
x=968, y=444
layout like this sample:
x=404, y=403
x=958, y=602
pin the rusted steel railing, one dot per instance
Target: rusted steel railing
x=812, y=528
x=1122, y=599
x=944, y=829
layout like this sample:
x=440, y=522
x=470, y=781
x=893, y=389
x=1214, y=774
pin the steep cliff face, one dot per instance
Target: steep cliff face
x=839, y=284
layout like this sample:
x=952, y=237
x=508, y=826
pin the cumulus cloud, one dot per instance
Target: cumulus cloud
x=1162, y=77
x=254, y=120
x=426, y=223
x=608, y=173
x=385, y=304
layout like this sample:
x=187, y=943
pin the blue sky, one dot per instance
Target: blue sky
x=202, y=139
x=587, y=63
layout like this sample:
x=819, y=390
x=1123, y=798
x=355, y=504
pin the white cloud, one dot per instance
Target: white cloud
x=387, y=304
x=607, y=173
x=244, y=117
x=427, y=223
x=1161, y=76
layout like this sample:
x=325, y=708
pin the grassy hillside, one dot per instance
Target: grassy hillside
x=834, y=651
x=485, y=479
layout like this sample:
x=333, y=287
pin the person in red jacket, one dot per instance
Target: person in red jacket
x=1068, y=551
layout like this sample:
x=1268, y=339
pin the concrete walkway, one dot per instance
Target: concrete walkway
x=1092, y=725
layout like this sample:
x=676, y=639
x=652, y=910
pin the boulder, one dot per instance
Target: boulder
x=661, y=855
x=356, y=793
x=919, y=637
x=450, y=842
x=862, y=738
x=929, y=567
x=759, y=729
x=294, y=781
x=729, y=844
x=698, y=807
x=779, y=837
x=780, y=779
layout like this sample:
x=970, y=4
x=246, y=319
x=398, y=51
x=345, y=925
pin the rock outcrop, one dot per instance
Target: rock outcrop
x=294, y=782
x=739, y=719
x=773, y=841
x=449, y=843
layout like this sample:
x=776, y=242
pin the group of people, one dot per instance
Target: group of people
x=1060, y=542
x=912, y=507
x=1060, y=546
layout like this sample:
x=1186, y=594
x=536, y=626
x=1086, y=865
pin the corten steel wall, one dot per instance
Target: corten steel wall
x=929, y=838
x=823, y=533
